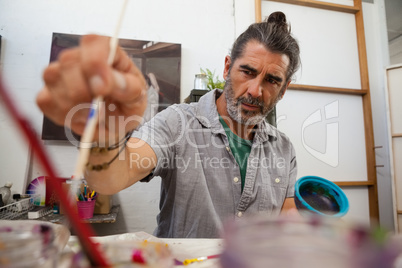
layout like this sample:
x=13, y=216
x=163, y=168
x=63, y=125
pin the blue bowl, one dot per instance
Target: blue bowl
x=320, y=196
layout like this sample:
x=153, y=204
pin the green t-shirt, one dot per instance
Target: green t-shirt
x=240, y=148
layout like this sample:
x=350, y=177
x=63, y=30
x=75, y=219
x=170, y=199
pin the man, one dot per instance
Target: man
x=218, y=158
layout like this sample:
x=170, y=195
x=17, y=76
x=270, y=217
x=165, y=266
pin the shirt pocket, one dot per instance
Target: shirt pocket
x=273, y=193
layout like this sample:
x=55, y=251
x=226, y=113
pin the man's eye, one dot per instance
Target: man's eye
x=272, y=81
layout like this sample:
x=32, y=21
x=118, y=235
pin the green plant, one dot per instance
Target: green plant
x=213, y=80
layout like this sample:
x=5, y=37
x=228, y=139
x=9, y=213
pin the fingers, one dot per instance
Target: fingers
x=72, y=78
x=94, y=53
x=65, y=88
x=129, y=83
x=82, y=73
x=127, y=87
x=51, y=73
x=48, y=107
x=122, y=81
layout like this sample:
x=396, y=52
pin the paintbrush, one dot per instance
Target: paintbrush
x=199, y=259
x=89, y=131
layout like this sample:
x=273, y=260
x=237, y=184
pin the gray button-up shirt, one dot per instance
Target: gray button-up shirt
x=201, y=185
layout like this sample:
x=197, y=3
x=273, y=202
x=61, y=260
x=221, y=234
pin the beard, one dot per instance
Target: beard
x=246, y=117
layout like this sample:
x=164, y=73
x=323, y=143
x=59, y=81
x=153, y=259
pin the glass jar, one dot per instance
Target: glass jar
x=201, y=81
x=5, y=192
x=27, y=244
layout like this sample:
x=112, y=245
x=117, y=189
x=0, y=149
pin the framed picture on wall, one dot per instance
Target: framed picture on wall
x=160, y=63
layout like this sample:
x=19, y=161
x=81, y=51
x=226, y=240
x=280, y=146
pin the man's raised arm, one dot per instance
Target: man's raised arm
x=71, y=82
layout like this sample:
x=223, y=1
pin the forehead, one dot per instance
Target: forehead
x=258, y=56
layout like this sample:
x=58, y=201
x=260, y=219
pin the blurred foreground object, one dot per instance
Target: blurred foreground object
x=311, y=241
x=124, y=250
x=31, y=243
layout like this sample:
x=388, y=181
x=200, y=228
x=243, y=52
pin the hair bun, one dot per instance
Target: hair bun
x=278, y=18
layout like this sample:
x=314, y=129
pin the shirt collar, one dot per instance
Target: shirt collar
x=207, y=115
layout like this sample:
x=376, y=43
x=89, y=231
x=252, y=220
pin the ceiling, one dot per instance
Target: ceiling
x=393, y=10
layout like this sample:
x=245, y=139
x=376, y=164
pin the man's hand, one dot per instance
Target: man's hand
x=289, y=208
x=82, y=73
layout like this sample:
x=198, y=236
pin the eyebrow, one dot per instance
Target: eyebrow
x=269, y=76
x=274, y=77
x=247, y=67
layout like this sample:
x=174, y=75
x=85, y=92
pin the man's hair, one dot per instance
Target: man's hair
x=274, y=34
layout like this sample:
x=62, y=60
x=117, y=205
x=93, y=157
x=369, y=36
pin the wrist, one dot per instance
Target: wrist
x=102, y=154
x=112, y=143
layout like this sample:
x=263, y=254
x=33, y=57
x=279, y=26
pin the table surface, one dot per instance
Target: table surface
x=181, y=249
x=194, y=248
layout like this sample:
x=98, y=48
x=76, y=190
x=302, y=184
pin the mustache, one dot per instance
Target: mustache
x=251, y=101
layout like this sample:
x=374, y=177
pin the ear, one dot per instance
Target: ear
x=228, y=61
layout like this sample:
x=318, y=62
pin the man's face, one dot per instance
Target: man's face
x=255, y=82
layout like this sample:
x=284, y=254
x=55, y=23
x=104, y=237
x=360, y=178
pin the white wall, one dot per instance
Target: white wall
x=395, y=51
x=206, y=30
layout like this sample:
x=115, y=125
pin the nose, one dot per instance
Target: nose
x=255, y=88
